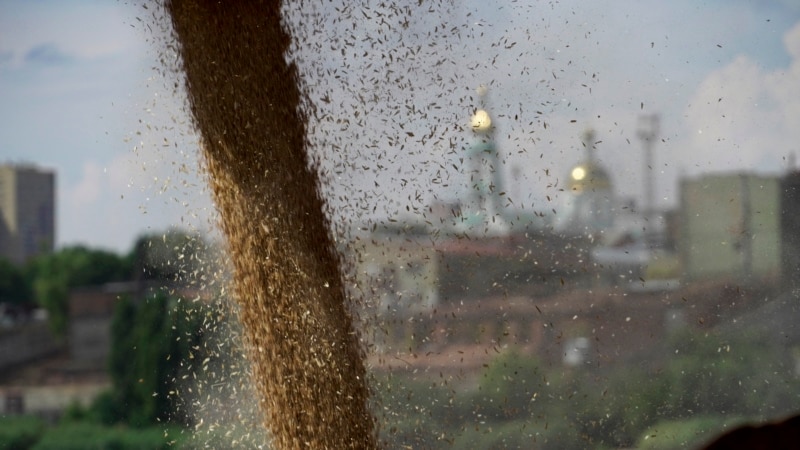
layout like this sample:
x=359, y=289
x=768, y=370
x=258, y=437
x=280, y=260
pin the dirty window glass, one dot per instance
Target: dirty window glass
x=571, y=225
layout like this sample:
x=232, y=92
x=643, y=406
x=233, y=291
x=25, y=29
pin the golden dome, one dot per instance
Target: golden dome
x=481, y=121
x=588, y=176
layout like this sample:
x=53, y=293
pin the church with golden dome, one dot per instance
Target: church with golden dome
x=587, y=206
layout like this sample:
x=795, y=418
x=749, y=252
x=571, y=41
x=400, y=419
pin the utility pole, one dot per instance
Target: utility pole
x=648, y=133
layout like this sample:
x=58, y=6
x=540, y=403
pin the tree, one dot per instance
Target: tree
x=174, y=255
x=729, y=374
x=153, y=344
x=50, y=285
x=510, y=385
x=110, y=406
x=52, y=276
x=14, y=287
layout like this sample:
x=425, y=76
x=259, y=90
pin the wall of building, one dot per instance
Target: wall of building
x=90, y=339
x=790, y=231
x=91, y=312
x=48, y=402
x=397, y=274
x=26, y=343
x=730, y=226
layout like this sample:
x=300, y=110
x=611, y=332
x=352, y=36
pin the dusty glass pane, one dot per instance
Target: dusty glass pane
x=572, y=225
x=561, y=224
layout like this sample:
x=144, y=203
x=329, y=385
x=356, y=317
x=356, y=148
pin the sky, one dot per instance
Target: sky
x=85, y=93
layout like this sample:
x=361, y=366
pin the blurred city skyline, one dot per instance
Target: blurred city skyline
x=85, y=94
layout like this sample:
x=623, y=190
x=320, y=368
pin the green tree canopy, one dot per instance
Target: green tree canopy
x=52, y=276
x=174, y=255
x=153, y=344
x=15, y=288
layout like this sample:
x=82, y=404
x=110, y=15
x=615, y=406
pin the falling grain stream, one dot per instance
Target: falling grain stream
x=244, y=97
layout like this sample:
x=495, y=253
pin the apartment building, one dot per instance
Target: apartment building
x=27, y=212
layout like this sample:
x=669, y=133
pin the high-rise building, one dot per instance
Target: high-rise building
x=27, y=212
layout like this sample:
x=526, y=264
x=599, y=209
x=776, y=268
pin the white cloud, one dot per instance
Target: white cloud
x=149, y=189
x=792, y=42
x=88, y=190
x=743, y=117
